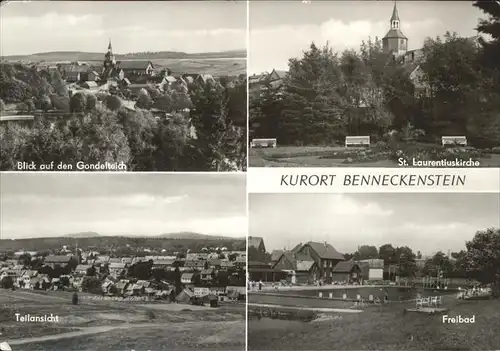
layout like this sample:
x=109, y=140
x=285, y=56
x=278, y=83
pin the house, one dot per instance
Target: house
x=227, y=265
x=81, y=269
x=136, y=67
x=40, y=282
x=91, y=76
x=207, y=275
x=194, y=264
x=301, y=268
x=214, y=263
x=60, y=260
x=107, y=286
x=72, y=77
x=137, y=90
x=347, y=271
x=163, y=264
x=372, y=269
x=122, y=285
x=257, y=243
x=201, y=291
x=188, y=278
x=325, y=256
x=117, y=269
x=24, y=280
x=276, y=255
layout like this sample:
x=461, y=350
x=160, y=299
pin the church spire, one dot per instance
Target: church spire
x=395, y=15
x=109, y=46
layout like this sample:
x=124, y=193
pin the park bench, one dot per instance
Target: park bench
x=257, y=143
x=454, y=141
x=357, y=141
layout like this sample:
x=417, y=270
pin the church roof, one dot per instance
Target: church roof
x=395, y=33
x=395, y=15
x=134, y=64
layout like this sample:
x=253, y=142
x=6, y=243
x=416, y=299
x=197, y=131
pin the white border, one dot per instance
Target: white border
x=277, y=180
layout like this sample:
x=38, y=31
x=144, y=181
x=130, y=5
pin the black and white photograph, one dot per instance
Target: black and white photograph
x=374, y=271
x=123, y=86
x=374, y=84
x=135, y=261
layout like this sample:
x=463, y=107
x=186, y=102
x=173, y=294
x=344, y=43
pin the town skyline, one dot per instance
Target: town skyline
x=424, y=222
x=344, y=25
x=122, y=205
x=85, y=26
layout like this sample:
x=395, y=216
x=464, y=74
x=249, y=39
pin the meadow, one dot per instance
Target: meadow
x=105, y=325
x=383, y=327
x=375, y=156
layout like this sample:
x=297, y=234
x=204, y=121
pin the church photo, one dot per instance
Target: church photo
x=372, y=84
x=122, y=86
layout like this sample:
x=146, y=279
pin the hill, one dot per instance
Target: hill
x=105, y=244
x=195, y=236
x=56, y=56
x=83, y=235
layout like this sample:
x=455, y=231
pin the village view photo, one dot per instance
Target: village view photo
x=374, y=271
x=134, y=261
x=374, y=84
x=123, y=86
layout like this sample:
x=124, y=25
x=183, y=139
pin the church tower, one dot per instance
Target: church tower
x=109, y=58
x=395, y=41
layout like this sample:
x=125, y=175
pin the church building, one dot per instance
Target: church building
x=395, y=41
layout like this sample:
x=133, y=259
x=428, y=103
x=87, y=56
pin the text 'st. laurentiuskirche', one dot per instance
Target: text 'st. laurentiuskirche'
x=395, y=41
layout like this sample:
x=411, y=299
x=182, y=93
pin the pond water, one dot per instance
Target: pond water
x=393, y=293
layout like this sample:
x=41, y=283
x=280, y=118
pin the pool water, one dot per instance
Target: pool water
x=393, y=293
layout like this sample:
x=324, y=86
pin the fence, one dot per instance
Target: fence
x=118, y=299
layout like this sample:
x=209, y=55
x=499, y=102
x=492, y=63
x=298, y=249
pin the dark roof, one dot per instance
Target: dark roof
x=57, y=259
x=395, y=33
x=395, y=15
x=345, y=267
x=254, y=241
x=276, y=254
x=134, y=64
x=325, y=251
x=297, y=248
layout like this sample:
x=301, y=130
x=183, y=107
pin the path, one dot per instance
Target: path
x=325, y=310
x=105, y=329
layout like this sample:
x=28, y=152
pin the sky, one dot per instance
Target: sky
x=54, y=204
x=134, y=26
x=282, y=29
x=426, y=222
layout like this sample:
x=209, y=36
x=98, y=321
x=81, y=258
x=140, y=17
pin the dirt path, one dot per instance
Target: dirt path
x=104, y=329
x=82, y=332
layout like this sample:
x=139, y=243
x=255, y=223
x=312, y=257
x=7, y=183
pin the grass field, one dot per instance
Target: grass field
x=105, y=325
x=383, y=328
x=333, y=156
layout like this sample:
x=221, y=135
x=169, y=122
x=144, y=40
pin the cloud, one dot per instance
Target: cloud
x=51, y=20
x=271, y=47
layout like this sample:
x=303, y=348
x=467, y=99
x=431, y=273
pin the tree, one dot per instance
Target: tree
x=78, y=103
x=144, y=101
x=366, y=252
x=91, y=271
x=490, y=26
x=7, y=282
x=91, y=102
x=218, y=139
x=483, y=257
x=91, y=285
x=45, y=103
x=113, y=102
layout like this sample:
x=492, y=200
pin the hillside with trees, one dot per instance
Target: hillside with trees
x=98, y=127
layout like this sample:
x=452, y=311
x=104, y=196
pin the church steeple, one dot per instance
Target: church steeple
x=395, y=17
x=395, y=41
x=109, y=57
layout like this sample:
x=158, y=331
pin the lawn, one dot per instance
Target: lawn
x=376, y=156
x=383, y=328
x=108, y=325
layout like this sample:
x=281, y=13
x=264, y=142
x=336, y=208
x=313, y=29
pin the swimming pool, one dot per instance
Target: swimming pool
x=393, y=293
